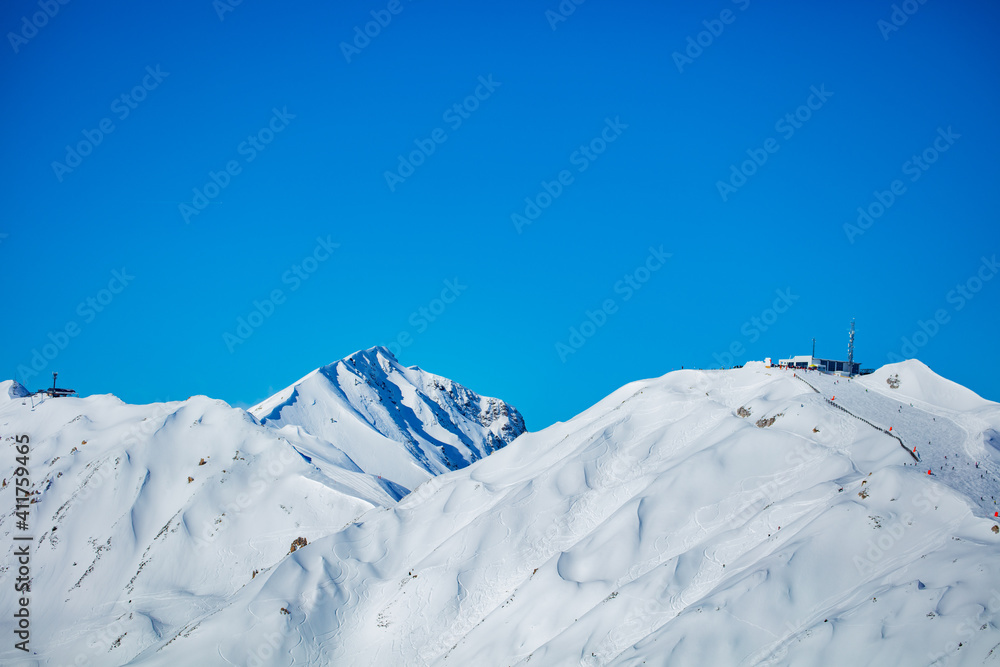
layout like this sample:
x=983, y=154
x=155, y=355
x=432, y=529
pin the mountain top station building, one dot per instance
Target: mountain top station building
x=828, y=365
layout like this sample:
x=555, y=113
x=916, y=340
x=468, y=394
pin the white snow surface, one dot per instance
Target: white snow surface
x=11, y=390
x=658, y=527
x=145, y=517
x=404, y=424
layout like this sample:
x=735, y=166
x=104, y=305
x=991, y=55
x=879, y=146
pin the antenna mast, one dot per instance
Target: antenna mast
x=850, y=351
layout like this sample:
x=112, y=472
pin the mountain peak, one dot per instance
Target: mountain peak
x=13, y=389
x=915, y=381
x=371, y=407
x=371, y=354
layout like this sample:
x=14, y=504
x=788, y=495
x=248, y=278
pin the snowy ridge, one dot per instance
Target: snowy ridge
x=403, y=424
x=12, y=389
x=661, y=527
x=146, y=517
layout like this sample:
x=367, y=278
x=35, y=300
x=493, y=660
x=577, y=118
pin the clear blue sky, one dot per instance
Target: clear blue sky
x=273, y=83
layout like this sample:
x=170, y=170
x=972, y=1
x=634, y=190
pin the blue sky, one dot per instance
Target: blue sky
x=619, y=100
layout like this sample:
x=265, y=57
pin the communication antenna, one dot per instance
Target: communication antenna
x=850, y=351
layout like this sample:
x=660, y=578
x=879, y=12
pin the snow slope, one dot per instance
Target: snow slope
x=949, y=425
x=665, y=525
x=404, y=424
x=11, y=390
x=147, y=516
x=133, y=533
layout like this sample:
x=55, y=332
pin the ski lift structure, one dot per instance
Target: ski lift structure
x=54, y=391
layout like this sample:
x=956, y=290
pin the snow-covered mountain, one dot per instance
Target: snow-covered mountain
x=743, y=517
x=404, y=424
x=735, y=517
x=145, y=517
x=12, y=389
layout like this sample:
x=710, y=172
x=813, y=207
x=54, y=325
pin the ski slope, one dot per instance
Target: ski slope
x=943, y=422
x=664, y=525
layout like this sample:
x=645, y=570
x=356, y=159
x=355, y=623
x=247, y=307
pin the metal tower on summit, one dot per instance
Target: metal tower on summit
x=850, y=351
